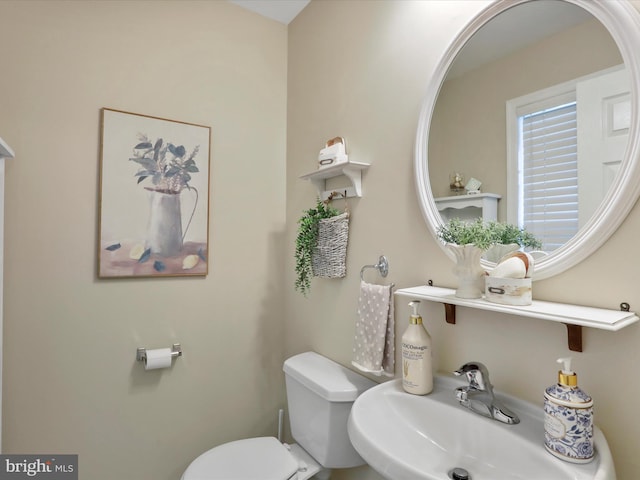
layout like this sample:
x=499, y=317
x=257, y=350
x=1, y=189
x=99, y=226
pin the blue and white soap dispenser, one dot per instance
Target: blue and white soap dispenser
x=568, y=419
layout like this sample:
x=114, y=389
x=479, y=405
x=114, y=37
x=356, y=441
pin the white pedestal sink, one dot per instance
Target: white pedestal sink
x=411, y=437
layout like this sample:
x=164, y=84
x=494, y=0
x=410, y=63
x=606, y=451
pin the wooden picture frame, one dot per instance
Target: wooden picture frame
x=154, y=196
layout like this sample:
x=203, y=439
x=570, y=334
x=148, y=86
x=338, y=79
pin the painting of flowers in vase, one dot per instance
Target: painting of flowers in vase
x=154, y=199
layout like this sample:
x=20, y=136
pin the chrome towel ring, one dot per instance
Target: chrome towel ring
x=382, y=266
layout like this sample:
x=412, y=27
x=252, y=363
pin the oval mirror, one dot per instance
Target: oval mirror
x=460, y=133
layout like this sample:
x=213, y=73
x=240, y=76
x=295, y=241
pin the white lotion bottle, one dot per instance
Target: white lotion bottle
x=417, y=374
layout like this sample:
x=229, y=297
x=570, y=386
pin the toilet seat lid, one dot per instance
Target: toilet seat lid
x=263, y=458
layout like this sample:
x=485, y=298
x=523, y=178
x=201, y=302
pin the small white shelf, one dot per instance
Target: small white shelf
x=574, y=316
x=479, y=205
x=351, y=170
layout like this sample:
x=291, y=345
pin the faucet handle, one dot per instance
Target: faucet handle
x=470, y=367
x=477, y=375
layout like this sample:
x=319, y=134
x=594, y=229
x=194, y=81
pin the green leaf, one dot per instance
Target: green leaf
x=159, y=167
x=172, y=171
x=145, y=256
x=177, y=151
x=156, y=149
x=147, y=163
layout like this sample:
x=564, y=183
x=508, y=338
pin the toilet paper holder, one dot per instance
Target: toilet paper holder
x=141, y=352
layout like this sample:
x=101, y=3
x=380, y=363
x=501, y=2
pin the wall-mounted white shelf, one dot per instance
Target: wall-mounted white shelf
x=573, y=316
x=469, y=207
x=351, y=170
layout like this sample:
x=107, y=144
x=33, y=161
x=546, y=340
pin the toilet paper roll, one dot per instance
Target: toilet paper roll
x=158, y=358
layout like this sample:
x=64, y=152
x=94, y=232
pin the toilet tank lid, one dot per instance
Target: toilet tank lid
x=326, y=378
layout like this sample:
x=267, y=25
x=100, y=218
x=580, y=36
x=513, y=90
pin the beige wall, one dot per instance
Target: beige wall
x=71, y=383
x=360, y=70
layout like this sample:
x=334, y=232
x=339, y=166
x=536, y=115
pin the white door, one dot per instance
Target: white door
x=2, y=160
x=5, y=152
x=604, y=115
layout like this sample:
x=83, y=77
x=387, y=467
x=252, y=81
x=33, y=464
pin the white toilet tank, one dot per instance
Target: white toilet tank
x=320, y=393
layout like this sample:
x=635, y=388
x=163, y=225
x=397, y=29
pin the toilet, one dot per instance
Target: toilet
x=320, y=394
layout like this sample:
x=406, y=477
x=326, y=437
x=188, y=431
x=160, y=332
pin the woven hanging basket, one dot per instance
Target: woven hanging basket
x=329, y=256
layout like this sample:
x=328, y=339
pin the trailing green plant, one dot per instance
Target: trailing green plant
x=485, y=234
x=306, y=242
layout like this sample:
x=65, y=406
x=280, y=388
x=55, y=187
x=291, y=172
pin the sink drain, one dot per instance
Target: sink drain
x=459, y=474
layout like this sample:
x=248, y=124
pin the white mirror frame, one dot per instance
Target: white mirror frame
x=622, y=20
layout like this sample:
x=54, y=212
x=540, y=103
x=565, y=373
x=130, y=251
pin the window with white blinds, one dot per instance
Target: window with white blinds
x=548, y=170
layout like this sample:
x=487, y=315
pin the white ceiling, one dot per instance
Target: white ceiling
x=282, y=11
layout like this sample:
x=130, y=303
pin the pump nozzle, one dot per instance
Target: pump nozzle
x=415, y=317
x=566, y=362
x=566, y=376
x=415, y=304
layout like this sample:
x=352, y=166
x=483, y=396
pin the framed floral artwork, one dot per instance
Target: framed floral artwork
x=154, y=196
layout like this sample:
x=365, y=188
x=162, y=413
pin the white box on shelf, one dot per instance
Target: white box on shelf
x=508, y=291
x=332, y=155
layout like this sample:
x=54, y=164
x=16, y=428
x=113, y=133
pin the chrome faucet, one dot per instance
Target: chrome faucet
x=478, y=395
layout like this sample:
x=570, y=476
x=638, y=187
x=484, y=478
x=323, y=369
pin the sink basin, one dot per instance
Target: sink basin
x=404, y=436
